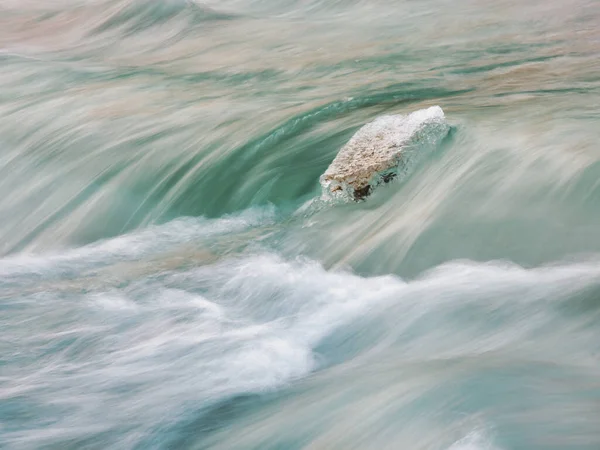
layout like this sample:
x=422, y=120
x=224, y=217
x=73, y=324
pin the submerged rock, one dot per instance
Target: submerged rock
x=381, y=151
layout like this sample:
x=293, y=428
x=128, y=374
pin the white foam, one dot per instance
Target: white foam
x=134, y=245
x=256, y=323
x=476, y=440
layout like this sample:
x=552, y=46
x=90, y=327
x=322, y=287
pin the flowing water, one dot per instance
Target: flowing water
x=166, y=281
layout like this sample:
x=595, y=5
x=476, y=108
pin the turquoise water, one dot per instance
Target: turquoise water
x=166, y=281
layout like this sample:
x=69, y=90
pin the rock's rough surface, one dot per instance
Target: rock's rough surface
x=382, y=150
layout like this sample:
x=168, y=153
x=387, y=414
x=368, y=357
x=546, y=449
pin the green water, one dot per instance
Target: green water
x=166, y=283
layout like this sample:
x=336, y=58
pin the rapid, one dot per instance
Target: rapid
x=170, y=278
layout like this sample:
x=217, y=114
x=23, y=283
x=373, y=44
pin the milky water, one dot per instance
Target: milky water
x=170, y=280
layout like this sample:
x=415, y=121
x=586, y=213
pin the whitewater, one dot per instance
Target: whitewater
x=178, y=272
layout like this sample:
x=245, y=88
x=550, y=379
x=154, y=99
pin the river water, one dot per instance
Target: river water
x=165, y=282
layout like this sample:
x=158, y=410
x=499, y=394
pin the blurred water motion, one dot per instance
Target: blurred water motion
x=165, y=281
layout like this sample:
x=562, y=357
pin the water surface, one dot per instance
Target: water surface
x=163, y=283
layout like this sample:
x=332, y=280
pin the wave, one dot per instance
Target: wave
x=195, y=337
x=180, y=236
x=125, y=182
x=431, y=342
x=167, y=348
x=133, y=16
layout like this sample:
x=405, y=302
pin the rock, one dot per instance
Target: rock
x=381, y=151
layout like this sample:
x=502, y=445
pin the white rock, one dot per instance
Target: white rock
x=381, y=150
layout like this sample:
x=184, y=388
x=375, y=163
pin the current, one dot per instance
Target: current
x=170, y=278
